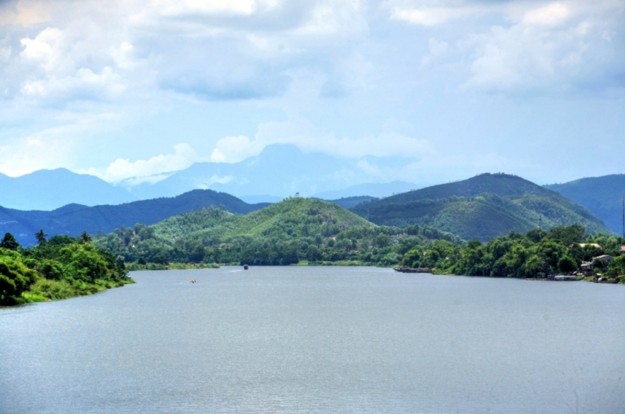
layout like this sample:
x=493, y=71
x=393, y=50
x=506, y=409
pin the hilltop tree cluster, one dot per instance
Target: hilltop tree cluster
x=57, y=268
x=295, y=231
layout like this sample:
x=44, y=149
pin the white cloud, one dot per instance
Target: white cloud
x=158, y=166
x=211, y=49
x=522, y=46
x=212, y=7
x=76, y=56
x=557, y=47
x=233, y=77
x=61, y=145
x=46, y=149
x=550, y=15
x=213, y=179
x=431, y=16
x=233, y=149
x=44, y=48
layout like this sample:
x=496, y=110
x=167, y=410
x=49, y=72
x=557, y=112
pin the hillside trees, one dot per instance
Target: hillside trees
x=480, y=208
x=9, y=242
x=57, y=268
x=15, y=277
x=537, y=254
x=295, y=230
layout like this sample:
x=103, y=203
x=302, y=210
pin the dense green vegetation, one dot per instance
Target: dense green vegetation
x=310, y=231
x=481, y=208
x=296, y=230
x=57, y=268
x=502, y=215
x=537, y=254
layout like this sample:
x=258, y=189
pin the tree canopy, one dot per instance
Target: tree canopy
x=57, y=268
x=537, y=254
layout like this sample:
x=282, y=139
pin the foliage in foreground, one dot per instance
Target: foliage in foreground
x=537, y=254
x=58, y=268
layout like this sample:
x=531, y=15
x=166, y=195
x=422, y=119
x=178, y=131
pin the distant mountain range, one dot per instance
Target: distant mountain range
x=480, y=208
x=279, y=171
x=602, y=196
x=51, y=189
x=62, y=202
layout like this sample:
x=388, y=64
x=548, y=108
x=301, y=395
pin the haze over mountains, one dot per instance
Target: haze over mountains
x=482, y=207
x=63, y=202
x=278, y=172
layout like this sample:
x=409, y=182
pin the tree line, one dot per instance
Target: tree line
x=56, y=268
x=64, y=266
x=537, y=254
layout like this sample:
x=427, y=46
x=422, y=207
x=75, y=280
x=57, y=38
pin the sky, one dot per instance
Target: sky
x=413, y=90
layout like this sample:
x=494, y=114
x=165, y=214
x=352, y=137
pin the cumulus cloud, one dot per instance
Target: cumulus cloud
x=213, y=49
x=74, y=52
x=550, y=15
x=151, y=169
x=554, y=47
x=234, y=149
x=524, y=46
x=234, y=77
x=433, y=16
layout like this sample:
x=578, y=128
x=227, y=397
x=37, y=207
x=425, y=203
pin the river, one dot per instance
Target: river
x=318, y=340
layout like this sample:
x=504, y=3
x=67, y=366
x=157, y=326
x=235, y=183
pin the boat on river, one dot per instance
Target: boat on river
x=564, y=278
x=405, y=269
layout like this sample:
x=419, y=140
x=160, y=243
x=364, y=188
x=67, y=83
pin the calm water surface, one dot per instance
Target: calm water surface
x=318, y=340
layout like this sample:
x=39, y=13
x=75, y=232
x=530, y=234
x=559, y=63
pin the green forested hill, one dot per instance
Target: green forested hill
x=294, y=230
x=480, y=208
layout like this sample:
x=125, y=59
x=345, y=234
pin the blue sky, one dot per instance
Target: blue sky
x=419, y=91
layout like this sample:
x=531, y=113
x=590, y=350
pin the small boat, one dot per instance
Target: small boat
x=563, y=278
x=405, y=269
x=245, y=267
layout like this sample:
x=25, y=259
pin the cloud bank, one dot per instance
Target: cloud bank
x=219, y=81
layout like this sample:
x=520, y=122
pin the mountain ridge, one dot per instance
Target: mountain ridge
x=51, y=189
x=73, y=219
x=497, y=203
x=603, y=196
x=481, y=207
